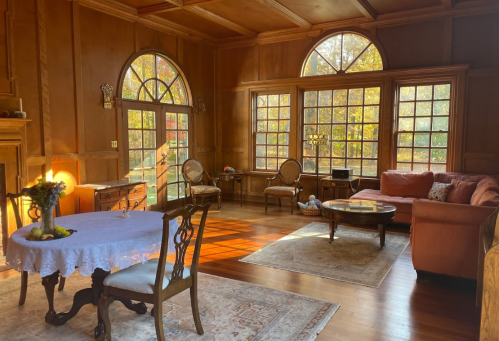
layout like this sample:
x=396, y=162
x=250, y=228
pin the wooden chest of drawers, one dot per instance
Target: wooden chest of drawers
x=110, y=196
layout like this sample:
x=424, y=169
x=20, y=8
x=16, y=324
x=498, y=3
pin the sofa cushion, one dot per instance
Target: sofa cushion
x=488, y=183
x=490, y=199
x=462, y=192
x=415, y=185
x=447, y=178
x=439, y=191
x=403, y=204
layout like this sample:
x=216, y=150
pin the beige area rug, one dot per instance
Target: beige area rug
x=355, y=255
x=230, y=310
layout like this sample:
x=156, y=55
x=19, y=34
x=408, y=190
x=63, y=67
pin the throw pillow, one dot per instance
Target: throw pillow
x=409, y=185
x=462, y=192
x=439, y=191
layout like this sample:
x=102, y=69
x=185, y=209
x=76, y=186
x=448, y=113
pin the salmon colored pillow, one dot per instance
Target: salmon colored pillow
x=409, y=185
x=462, y=192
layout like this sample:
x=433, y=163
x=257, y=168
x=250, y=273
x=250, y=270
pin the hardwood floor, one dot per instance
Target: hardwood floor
x=438, y=308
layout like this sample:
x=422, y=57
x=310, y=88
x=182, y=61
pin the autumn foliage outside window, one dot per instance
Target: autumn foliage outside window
x=423, y=127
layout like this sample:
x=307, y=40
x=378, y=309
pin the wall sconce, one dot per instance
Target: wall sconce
x=107, y=91
x=201, y=105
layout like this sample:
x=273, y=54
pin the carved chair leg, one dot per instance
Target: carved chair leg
x=24, y=287
x=104, y=330
x=194, y=200
x=202, y=200
x=158, y=321
x=62, y=282
x=219, y=198
x=292, y=204
x=194, y=305
x=297, y=200
x=266, y=201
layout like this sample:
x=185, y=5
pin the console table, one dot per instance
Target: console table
x=234, y=177
x=350, y=184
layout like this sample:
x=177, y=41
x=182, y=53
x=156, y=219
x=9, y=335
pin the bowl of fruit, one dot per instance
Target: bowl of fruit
x=37, y=234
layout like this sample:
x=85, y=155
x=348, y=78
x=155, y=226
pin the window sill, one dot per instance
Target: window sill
x=303, y=176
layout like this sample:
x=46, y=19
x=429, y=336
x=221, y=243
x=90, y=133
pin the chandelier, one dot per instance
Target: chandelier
x=318, y=139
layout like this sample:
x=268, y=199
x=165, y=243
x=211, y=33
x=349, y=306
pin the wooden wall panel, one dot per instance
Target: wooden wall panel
x=106, y=44
x=413, y=45
x=283, y=60
x=233, y=129
x=101, y=170
x=476, y=41
x=26, y=56
x=7, y=86
x=67, y=172
x=60, y=69
x=148, y=38
x=237, y=65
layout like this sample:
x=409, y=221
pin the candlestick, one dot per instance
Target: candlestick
x=20, y=104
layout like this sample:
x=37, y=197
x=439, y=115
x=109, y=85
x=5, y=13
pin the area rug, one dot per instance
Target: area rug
x=229, y=309
x=355, y=255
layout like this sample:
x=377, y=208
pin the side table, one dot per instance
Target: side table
x=351, y=184
x=233, y=177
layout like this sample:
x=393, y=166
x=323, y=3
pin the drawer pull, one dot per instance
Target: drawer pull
x=109, y=208
x=109, y=195
x=135, y=191
x=136, y=204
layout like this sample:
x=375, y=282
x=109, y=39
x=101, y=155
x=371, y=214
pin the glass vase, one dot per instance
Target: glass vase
x=47, y=219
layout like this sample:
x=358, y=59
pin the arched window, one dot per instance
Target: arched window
x=151, y=78
x=343, y=53
x=157, y=116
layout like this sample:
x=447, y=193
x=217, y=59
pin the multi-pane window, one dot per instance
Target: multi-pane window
x=343, y=53
x=272, y=124
x=177, y=141
x=142, y=150
x=350, y=117
x=422, y=132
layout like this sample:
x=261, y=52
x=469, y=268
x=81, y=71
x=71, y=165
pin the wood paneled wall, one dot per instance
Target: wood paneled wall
x=62, y=52
x=470, y=40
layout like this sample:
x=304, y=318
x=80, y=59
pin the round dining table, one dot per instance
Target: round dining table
x=101, y=241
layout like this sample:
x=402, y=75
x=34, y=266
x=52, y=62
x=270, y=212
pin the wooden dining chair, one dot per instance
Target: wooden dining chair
x=158, y=280
x=34, y=215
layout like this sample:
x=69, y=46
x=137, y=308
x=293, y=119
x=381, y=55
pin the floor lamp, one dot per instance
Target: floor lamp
x=317, y=140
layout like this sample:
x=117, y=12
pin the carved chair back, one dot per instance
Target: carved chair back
x=33, y=210
x=182, y=240
x=193, y=171
x=289, y=172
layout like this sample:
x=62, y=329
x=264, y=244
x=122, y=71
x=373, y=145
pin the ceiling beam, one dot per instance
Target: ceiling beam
x=221, y=20
x=365, y=7
x=172, y=5
x=448, y=4
x=287, y=13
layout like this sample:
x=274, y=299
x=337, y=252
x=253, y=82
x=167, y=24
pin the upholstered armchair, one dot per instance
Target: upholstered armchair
x=289, y=183
x=194, y=174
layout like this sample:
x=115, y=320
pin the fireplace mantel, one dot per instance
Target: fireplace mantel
x=12, y=128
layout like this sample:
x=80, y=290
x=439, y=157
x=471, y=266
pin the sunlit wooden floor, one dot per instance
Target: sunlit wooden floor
x=400, y=309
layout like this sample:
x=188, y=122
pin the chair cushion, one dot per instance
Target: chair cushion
x=203, y=189
x=415, y=185
x=462, y=192
x=141, y=277
x=281, y=190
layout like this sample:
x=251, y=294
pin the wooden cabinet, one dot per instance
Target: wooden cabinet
x=110, y=196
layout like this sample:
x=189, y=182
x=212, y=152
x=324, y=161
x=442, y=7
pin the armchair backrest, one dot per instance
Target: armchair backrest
x=33, y=210
x=193, y=171
x=289, y=172
x=182, y=240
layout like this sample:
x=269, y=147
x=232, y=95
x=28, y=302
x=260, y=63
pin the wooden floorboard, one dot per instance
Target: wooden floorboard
x=438, y=308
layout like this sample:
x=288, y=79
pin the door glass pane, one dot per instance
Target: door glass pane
x=177, y=141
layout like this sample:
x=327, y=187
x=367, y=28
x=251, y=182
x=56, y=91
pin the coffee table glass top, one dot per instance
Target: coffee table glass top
x=344, y=205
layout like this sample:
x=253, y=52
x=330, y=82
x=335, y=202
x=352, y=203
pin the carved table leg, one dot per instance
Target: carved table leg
x=333, y=226
x=83, y=297
x=49, y=282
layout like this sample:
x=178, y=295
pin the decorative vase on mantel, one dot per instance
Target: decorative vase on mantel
x=47, y=219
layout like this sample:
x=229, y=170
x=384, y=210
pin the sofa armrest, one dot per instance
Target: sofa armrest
x=450, y=213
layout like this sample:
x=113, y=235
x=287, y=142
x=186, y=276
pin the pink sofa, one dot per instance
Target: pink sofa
x=444, y=236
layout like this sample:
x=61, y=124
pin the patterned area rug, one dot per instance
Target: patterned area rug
x=230, y=310
x=355, y=255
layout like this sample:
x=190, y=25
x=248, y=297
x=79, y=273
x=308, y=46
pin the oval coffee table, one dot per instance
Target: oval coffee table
x=339, y=211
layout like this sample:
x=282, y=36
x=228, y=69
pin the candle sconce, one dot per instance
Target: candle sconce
x=107, y=91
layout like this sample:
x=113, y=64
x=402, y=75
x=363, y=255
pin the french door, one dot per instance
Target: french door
x=156, y=142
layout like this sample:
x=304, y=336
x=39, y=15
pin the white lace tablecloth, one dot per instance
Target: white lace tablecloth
x=103, y=240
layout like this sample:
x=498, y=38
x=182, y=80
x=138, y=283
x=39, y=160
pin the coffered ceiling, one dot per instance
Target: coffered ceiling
x=229, y=22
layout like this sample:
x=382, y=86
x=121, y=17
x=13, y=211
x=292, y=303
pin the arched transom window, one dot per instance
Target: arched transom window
x=343, y=53
x=152, y=78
